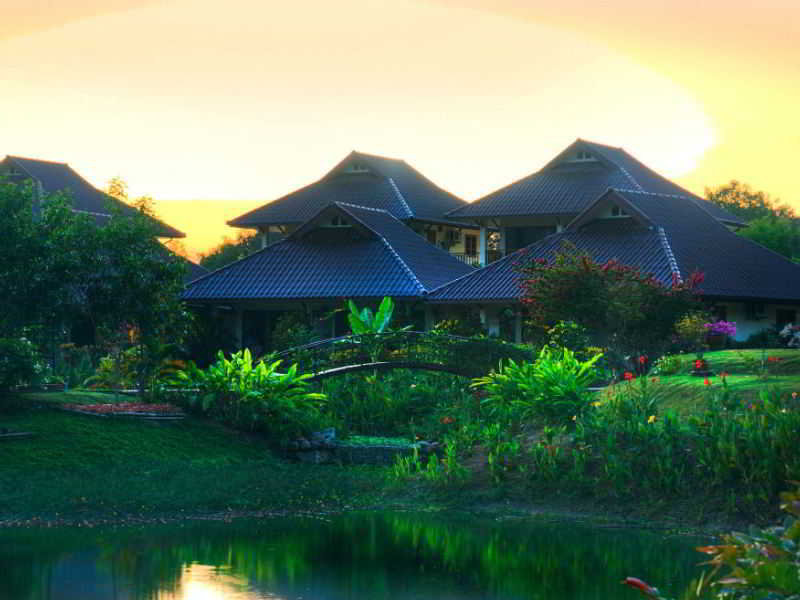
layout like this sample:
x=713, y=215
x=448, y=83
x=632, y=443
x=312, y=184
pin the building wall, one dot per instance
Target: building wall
x=747, y=323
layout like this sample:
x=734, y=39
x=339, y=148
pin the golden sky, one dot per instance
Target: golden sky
x=245, y=100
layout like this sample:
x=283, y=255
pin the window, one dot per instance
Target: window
x=616, y=211
x=471, y=245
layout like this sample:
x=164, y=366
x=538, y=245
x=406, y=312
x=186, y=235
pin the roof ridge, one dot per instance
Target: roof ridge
x=400, y=197
x=403, y=263
x=361, y=207
x=673, y=263
x=49, y=162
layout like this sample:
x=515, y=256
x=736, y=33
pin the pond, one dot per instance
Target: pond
x=357, y=556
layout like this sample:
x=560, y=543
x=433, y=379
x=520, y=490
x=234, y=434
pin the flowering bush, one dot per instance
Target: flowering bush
x=721, y=328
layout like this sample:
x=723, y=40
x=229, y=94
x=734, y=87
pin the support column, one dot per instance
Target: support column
x=518, y=326
x=502, y=245
x=238, y=319
x=429, y=318
x=483, y=245
x=493, y=322
x=264, y=237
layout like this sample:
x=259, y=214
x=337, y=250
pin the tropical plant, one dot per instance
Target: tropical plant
x=253, y=395
x=370, y=326
x=554, y=387
x=18, y=363
x=763, y=564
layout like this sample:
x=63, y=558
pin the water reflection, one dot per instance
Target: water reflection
x=391, y=556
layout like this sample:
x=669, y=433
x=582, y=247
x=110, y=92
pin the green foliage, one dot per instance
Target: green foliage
x=19, y=363
x=554, y=388
x=291, y=330
x=229, y=251
x=620, y=306
x=741, y=200
x=398, y=402
x=669, y=364
x=779, y=234
x=253, y=396
x=445, y=472
x=364, y=321
x=568, y=334
x=60, y=266
x=692, y=331
x=742, y=452
x=763, y=564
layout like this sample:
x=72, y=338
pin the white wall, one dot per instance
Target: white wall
x=745, y=327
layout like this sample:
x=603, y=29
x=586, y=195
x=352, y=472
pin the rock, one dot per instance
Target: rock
x=305, y=445
x=326, y=435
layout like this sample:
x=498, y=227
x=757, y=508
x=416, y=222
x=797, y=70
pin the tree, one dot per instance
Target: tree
x=780, y=234
x=230, y=251
x=60, y=266
x=623, y=308
x=769, y=222
x=741, y=200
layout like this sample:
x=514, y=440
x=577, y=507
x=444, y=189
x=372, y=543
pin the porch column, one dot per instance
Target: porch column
x=493, y=322
x=238, y=318
x=502, y=244
x=429, y=318
x=518, y=326
x=264, y=236
x=483, y=245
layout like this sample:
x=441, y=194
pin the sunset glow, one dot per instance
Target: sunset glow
x=246, y=101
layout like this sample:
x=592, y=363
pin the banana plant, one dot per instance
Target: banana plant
x=371, y=325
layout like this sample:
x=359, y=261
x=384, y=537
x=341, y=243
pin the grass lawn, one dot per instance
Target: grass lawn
x=79, y=464
x=687, y=394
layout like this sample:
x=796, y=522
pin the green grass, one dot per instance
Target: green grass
x=79, y=464
x=687, y=394
x=78, y=396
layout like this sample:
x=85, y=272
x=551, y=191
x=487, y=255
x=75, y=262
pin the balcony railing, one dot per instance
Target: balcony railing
x=475, y=259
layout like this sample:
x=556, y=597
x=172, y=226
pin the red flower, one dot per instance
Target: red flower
x=447, y=420
x=773, y=359
x=628, y=376
x=706, y=381
x=641, y=586
x=642, y=360
x=699, y=363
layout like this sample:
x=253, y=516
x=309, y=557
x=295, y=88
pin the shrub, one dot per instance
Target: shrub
x=623, y=307
x=763, y=564
x=291, y=330
x=568, y=334
x=671, y=364
x=18, y=363
x=553, y=388
x=253, y=396
x=691, y=329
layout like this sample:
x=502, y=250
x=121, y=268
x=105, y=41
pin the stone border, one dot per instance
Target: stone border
x=135, y=415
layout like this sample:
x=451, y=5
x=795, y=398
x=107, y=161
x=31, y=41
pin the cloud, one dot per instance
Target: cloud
x=22, y=18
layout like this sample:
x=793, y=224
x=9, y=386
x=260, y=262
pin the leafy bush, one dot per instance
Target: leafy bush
x=691, y=329
x=18, y=363
x=554, y=388
x=671, y=364
x=253, y=396
x=763, y=564
x=291, y=330
x=568, y=334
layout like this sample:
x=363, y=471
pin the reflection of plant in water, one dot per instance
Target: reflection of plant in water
x=355, y=555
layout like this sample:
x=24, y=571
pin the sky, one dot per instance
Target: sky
x=215, y=108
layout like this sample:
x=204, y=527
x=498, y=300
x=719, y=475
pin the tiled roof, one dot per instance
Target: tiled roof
x=499, y=281
x=733, y=265
x=392, y=185
x=666, y=234
x=86, y=198
x=377, y=256
x=564, y=188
